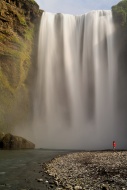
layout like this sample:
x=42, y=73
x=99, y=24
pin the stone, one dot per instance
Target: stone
x=1, y=137
x=40, y=180
x=56, y=182
x=69, y=187
x=104, y=187
x=77, y=187
x=10, y=141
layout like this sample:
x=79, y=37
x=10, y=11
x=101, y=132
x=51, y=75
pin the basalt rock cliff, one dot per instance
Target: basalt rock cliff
x=19, y=21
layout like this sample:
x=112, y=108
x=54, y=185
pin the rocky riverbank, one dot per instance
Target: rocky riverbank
x=105, y=170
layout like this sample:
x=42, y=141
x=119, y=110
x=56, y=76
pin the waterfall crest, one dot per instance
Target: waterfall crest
x=76, y=81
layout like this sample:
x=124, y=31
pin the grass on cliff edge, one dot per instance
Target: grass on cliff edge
x=120, y=13
x=15, y=63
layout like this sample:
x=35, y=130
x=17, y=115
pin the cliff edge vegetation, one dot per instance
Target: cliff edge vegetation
x=120, y=13
x=17, y=32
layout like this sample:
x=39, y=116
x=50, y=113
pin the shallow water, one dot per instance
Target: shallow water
x=19, y=169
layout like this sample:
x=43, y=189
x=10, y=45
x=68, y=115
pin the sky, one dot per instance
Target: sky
x=75, y=7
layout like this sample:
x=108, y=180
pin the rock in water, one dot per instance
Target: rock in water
x=1, y=137
x=10, y=141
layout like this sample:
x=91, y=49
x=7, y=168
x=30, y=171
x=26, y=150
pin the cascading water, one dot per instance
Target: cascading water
x=76, y=82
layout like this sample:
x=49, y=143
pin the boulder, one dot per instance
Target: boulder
x=10, y=141
x=1, y=137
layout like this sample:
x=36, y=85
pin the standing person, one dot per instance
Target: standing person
x=114, y=145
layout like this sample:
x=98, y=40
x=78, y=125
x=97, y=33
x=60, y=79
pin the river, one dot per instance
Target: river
x=20, y=169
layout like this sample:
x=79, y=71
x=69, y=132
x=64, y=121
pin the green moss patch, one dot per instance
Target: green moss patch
x=16, y=45
x=120, y=13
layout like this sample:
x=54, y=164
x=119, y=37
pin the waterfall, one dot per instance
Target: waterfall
x=75, y=89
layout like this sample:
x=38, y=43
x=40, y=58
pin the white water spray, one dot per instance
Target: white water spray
x=74, y=101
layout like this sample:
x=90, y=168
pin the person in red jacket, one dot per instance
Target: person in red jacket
x=114, y=145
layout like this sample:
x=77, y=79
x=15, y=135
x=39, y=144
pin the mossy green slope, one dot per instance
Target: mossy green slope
x=120, y=13
x=16, y=45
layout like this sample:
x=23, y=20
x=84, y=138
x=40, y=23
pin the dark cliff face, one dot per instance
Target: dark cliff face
x=120, y=18
x=18, y=24
x=119, y=12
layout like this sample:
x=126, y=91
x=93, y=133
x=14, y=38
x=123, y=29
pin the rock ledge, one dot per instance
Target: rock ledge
x=9, y=141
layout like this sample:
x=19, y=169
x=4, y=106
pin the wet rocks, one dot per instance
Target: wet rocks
x=104, y=170
x=77, y=187
x=9, y=141
x=1, y=136
x=40, y=180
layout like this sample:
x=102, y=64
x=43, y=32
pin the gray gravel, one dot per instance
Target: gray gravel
x=90, y=170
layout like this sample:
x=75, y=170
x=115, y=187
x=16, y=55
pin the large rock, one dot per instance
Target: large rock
x=10, y=141
x=1, y=138
x=1, y=135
